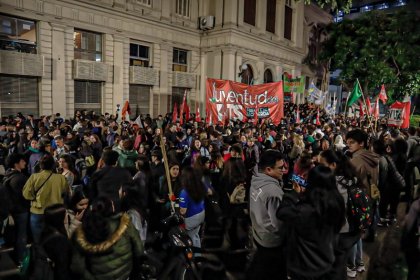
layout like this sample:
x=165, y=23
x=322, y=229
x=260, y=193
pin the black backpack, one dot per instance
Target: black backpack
x=37, y=265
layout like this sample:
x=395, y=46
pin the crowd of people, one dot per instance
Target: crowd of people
x=90, y=189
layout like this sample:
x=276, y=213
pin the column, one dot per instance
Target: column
x=280, y=19
x=108, y=88
x=298, y=19
x=45, y=96
x=118, y=69
x=229, y=71
x=231, y=13
x=259, y=72
x=165, y=81
x=69, y=54
x=261, y=15
x=58, y=85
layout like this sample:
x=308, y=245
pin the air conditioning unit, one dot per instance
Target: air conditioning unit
x=206, y=22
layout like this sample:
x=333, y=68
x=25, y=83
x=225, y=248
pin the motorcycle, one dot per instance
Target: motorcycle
x=170, y=255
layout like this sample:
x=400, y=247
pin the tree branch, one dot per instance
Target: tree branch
x=396, y=65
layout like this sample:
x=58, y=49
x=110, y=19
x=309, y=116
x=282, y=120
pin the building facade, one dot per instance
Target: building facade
x=62, y=56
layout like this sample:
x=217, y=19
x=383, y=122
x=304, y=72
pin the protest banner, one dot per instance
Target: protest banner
x=294, y=85
x=229, y=99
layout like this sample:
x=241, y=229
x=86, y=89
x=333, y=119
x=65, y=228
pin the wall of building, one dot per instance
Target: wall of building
x=217, y=53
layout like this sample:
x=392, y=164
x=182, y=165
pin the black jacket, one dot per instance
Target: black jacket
x=58, y=249
x=14, y=182
x=310, y=245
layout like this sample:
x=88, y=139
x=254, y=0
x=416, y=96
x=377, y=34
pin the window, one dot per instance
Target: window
x=249, y=11
x=270, y=24
x=145, y=2
x=139, y=55
x=87, y=96
x=18, y=94
x=87, y=45
x=288, y=17
x=180, y=60
x=268, y=76
x=183, y=8
x=139, y=98
x=17, y=34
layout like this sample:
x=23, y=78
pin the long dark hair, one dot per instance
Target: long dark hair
x=323, y=195
x=193, y=184
x=344, y=167
x=54, y=218
x=77, y=196
x=96, y=226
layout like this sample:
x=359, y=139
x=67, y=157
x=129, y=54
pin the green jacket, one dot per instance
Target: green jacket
x=111, y=259
x=127, y=159
x=50, y=193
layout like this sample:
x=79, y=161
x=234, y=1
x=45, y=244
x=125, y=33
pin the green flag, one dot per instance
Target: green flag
x=355, y=94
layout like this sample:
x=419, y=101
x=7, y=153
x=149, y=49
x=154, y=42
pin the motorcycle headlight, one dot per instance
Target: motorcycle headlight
x=177, y=241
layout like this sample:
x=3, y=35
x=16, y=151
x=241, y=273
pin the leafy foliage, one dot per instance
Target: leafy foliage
x=344, y=5
x=377, y=48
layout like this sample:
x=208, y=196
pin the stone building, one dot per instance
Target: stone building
x=62, y=56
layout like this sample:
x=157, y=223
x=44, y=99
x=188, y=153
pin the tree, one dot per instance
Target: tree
x=376, y=48
x=334, y=5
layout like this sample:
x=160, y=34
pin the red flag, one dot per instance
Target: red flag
x=297, y=115
x=182, y=108
x=361, y=111
x=376, y=109
x=187, y=112
x=175, y=113
x=382, y=95
x=317, y=118
x=197, y=113
x=369, y=107
x=126, y=109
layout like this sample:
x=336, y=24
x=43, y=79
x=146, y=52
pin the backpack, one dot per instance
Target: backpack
x=359, y=209
x=37, y=265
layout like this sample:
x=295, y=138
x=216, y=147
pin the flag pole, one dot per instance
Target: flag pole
x=168, y=175
x=364, y=102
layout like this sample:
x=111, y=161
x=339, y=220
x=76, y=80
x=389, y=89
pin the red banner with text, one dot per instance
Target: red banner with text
x=231, y=100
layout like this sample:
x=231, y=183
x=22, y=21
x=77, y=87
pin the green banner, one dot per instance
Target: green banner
x=295, y=85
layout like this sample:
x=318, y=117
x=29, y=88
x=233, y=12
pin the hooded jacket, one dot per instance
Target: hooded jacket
x=265, y=197
x=110, y=259
x=366, y=164
x=127, y=159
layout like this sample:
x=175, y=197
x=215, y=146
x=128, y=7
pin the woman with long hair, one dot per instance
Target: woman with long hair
x=66, y=165
x=107, y=245
x=131, y=203
x=345, y=176
x=191, y=203
x=313, y=214
x=76, y=208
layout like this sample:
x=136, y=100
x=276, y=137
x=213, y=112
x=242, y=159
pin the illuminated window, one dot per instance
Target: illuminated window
x=87, y=45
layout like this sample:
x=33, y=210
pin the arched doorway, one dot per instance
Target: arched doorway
x=268, y=76
x=247, y=75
